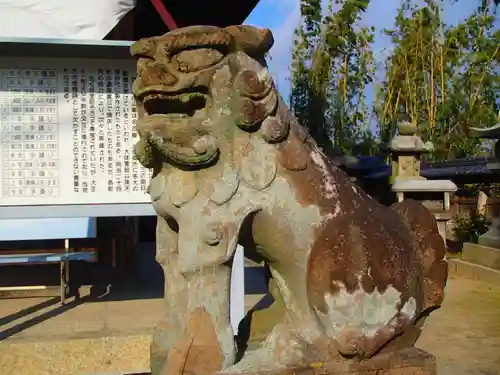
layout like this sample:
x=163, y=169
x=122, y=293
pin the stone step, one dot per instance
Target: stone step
x=468, y=270
x=482, y=255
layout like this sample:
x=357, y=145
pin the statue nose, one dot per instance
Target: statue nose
x=157, y=74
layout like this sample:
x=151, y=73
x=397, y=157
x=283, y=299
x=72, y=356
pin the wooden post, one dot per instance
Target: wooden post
x=401, y=196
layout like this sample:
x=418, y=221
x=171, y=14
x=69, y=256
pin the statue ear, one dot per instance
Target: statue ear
x=251, y=40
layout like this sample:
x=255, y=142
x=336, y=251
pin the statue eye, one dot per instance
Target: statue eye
x=196, y=59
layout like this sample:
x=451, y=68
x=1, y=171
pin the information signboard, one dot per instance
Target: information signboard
x=67, y=128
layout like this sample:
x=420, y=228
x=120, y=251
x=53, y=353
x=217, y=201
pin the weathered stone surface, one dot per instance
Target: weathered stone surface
x=355, y=279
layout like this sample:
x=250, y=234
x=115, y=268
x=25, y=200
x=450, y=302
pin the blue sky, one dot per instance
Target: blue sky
x=282, y=17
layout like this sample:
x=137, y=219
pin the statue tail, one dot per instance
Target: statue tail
x=431, y=248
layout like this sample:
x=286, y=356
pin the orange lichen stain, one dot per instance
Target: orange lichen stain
x=199, y=352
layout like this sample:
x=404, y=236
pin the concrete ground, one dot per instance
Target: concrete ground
x=39, y=337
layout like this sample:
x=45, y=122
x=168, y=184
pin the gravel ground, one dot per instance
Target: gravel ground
x=464, y=334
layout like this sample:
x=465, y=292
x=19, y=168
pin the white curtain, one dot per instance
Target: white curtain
x=70, y=19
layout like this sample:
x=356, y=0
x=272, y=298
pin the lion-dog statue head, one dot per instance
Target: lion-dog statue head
x=196, y=85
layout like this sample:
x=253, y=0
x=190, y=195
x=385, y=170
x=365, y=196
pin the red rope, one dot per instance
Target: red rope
x=164, y=14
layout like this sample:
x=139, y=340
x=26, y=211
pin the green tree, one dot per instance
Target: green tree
x=484, y=5
x=332, y=65
x=443, y=79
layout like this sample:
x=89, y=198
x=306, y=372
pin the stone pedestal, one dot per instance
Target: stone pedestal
x=411, y=361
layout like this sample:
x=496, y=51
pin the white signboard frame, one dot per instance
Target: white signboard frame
x=47, y=229
x=67, y=128
x=68, y=133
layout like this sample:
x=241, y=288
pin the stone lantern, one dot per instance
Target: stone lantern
x=406, y=151
x=494, y=134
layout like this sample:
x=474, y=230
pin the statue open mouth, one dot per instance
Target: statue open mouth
x=182, y=104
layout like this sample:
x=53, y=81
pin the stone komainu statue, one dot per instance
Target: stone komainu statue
x=231, y=165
